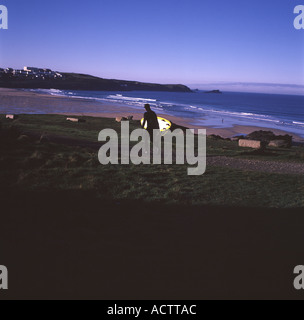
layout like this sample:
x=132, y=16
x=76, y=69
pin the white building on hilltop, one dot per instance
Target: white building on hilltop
x=31, y=73
x=31, y=69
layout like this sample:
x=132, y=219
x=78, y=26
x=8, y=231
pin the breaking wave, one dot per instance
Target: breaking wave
x=219, y=112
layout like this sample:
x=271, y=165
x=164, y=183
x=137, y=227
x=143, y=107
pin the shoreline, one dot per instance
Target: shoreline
x=30, y=102
x=228, y=132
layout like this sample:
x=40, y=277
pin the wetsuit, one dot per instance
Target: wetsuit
x=150, y=118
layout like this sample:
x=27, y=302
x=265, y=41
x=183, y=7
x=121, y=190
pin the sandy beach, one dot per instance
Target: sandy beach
x=29, y=102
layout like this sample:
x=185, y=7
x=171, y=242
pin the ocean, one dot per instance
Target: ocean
x=285, y=112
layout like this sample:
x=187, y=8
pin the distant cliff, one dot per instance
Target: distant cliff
x=74, y=81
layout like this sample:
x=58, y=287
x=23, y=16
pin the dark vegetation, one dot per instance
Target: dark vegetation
x=74, y=81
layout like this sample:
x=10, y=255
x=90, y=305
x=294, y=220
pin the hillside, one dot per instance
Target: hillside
x=74, y=81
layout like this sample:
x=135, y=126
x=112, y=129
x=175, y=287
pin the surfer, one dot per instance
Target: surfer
x=150, y=118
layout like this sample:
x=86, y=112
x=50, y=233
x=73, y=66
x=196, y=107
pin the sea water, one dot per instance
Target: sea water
x=285, y=112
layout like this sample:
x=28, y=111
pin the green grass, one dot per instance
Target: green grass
x=57, y=124
x=29, y=165
x=88, y=131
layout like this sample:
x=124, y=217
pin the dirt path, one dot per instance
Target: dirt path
x=256, y=165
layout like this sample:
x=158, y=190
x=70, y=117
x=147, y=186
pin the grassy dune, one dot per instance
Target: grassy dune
x=71, y=164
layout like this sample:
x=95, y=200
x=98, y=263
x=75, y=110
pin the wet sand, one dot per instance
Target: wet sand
x=31, y=102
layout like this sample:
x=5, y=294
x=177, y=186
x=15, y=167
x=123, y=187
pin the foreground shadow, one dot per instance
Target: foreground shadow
x=72, y=245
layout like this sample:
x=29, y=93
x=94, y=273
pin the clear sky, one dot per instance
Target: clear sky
x=165, y=41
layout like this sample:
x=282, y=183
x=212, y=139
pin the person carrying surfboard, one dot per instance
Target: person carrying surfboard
x=150, y=118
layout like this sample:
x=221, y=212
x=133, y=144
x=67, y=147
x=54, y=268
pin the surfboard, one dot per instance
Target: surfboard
x=164, y=124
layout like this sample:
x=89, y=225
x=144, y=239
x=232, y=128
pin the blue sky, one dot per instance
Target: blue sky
x=165, y=41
